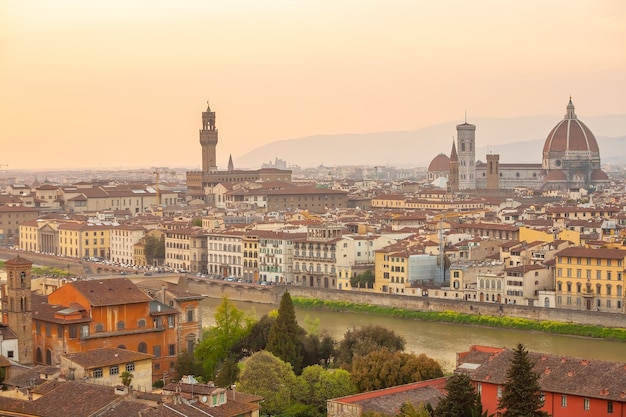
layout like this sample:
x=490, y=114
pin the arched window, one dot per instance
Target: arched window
x=121, y=325
x=99, y=327
x=142, y=347
x=141, y=323
x=38, y=357
x=121, y=346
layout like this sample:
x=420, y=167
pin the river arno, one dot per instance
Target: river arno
x=441, y=341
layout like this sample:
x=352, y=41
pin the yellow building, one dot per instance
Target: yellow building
x=590, y=279
x=250, y=257
x=83, y=240
x=391, y=269
x=29, y=236
x=532, y=235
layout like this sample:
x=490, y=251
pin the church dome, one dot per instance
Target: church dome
x=570, y=135
x=440, y=163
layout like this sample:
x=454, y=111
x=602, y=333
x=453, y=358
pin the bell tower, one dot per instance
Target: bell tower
x=18, y=306
x=466, y=138
x=208, y=141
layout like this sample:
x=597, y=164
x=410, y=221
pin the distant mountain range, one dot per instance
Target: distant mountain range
x=516, y=140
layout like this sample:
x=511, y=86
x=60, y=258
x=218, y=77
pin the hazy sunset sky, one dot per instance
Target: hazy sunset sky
x=94, y=84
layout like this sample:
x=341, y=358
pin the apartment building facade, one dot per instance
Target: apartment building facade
x=590, y=279
x=123, y=240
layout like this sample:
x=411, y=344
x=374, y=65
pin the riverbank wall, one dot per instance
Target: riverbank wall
x=272, y=295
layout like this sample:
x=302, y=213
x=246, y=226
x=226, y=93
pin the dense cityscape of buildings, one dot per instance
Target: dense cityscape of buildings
x=547, y=235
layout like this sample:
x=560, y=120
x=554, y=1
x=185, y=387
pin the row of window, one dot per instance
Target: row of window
x=609, y=262
x=617, y=304
x=316, y=268
x=598, y=274
x=113, y=370
x=99, y=327
x=586, y=401
x=598, y=288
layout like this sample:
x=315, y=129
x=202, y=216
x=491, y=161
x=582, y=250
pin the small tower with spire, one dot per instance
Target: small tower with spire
x=231, y=166
x=453, y=177
x=208, y=141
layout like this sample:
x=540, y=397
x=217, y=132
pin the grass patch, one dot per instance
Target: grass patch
x=448, y=316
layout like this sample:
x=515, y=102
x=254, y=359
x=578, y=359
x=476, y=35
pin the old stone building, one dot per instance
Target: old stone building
x=200, y=183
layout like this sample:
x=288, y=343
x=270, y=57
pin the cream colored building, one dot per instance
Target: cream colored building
x=225, y=253
x=80, y=199
x=356, y=254
x=178, y=247
x=123, y=240
x=105, y=366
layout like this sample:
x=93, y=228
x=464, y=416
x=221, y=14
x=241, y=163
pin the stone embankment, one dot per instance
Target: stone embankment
x=272, y=294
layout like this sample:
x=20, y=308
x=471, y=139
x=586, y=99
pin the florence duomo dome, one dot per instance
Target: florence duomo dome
x=571, y=155
x=570, y=161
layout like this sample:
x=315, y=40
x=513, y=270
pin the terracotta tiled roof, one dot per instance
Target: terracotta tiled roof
x=72, y=398
x=107, y=292
x=388, y=401
x=97, y=358
x=17, y=261
x=559, y=374
x=580, y=252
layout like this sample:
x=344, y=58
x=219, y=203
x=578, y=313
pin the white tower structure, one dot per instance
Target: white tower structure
x=466, y=150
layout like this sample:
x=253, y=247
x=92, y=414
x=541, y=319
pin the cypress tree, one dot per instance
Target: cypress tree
x=521, y=395
x=284, y=338
x=460, y=398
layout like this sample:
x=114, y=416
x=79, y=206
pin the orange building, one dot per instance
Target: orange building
x=570, y=387
x=85, y=315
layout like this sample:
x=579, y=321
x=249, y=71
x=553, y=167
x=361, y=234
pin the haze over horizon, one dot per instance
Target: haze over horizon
x=105, y=84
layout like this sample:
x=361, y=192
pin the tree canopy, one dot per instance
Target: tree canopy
x=460, y=399
x=361, y=341
x=154, y=249
x=383, y=368
x=231, y=325
x=266, y=375
x=284, y=339
x=521, y=395
x=364, y=280
x=317, y=385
